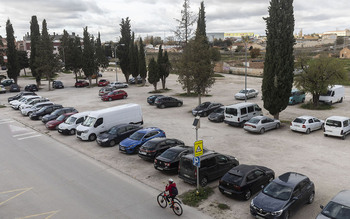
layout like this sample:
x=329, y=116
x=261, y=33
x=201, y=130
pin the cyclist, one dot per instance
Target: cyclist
x=171, y=188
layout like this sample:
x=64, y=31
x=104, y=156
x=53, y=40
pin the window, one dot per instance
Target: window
x=296, y=191
x=98, y=122
x=251, y=176
x=121, y=130
x=311, y=121
x=221, y=159
x=317, y=120
x=80, y=120
x=243, y=111
x=345, y=123
x=250, y=109
x=258, y=173
x=257, y=108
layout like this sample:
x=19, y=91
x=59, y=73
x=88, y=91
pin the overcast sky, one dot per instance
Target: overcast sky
x=157, y=17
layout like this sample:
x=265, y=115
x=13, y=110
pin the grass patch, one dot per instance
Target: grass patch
x=218, y=75
x=192, y=95
x=310, y=106
x=160, y=91
x=193, y=199
x=223, y=206
x=66, y=71
x=2, y=106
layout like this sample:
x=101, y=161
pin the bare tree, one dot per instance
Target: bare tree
x=183, y=32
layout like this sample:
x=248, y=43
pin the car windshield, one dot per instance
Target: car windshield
x=111, y=93
x=219, y=110
x=89, y=121
x=150, y=144
x=169, y=154
x=336, y=210
x=254, y=120
x=61, y=117
x=70, y=120
x=299, y=120
x=278, y=191
x=243, y=91
x=137, y=136
x=233, y=178
x=232, y=111
x=113, y=131
x=333, y=123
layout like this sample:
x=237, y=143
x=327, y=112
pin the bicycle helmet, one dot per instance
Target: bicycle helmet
x=171, y=180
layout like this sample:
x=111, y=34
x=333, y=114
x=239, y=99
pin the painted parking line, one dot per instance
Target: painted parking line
x=32, y=136
x=6, y=121
x=19, y=135
x=21, y=191
x=49, y=215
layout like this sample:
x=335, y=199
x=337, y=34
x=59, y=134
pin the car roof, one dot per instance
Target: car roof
x=343, y=197
x=158, y=139
x=241, y=104
x=243, y=169
x=290, y=179
x=340, y=118
x=149, y=129
x=180, y=148
x=306, y=117
x=205, y=154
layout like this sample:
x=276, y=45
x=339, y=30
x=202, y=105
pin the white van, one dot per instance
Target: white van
x=69, y=126
x=334, y=94
x=101, y=120
x=338, y=126
x=238, y=114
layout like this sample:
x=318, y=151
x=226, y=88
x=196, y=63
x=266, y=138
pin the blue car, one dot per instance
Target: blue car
x=132, y=144
x=296, y=96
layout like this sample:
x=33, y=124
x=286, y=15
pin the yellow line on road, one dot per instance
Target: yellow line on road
x=16, y=190
x=50, y=214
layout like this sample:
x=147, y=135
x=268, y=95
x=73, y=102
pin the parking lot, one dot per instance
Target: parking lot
x=325, y=160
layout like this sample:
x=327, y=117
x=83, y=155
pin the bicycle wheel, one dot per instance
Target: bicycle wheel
x=177, y=209
x=161, y=201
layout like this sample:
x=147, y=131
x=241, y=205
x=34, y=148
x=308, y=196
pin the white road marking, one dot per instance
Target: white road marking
x=28, y=133
x=6, y=122
x=33, y=136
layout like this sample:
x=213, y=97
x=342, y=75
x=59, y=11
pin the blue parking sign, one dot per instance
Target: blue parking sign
x=196, y=161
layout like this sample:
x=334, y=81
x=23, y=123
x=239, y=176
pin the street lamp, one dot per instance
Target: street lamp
x=116, y=62
x=245, y=40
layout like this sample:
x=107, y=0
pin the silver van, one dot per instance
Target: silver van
x=238, y=114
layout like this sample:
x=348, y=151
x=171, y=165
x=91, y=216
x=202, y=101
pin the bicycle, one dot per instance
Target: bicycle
x=163, y=203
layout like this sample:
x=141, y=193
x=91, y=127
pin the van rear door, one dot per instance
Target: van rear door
x=187, y=170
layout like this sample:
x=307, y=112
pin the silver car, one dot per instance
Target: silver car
x=250, y=92
x=338, y=207
x=118, y=84
x=306, y=124
x=260, y=124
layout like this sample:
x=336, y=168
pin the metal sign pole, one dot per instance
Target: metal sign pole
x=197, y=165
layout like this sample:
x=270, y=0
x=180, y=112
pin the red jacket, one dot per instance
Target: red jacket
x=169, y=188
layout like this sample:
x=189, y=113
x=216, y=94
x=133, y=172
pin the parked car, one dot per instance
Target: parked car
x=105, y=90
x=337, y=208
x=296, y=96
x=14, y=88
x=213, y=165
x=335, y=94
x=306, y=124
x=154, y=147
x=31, y=87
x=7, y=82
x=283, y=196
x=133, y=143
x=205, y=108
x=55, y=114
x=118, y=84
x=114, y=95
x=116, y=134
x=69, y=126
x=238, y=114
x=96, y=75
x=19, y=95
x=103, y=82
x=81, y=83
x=57, y=84
x=32, y=103
x=169, y=160
x=245, y=180
x=138, y=80
x=28, y=111
x=44, y=110
x=218, y=115
x=16, y=103
x=152, y=98
x=337, y=126
x=260, y=124
x=246, y=93
x=53, y=124
x=2, y=89
x=162, y=102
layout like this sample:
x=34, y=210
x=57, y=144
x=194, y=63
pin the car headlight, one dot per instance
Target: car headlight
x=252, y=203
x=104, y=140
x=277, y=213
x=85, y=131
x=130, y=146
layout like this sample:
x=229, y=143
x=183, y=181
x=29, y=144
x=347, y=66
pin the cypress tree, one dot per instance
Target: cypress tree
x=100, y=53
x=142, y=62
x=167, y=67
x=34, y=40
x=132, y=57
x=279, y=59
x=13, y=69
x=124, y=47
x=76, y=58
x=153, y=73
x=89, y=64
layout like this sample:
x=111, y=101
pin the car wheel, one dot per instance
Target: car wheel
x=308, y=131
x=247, y=195
x=322, y=127
x=221, y=120
x=179, y=104
x=293, y=102
x=286, y=216
x=162, y=106
x=343, y=137
x=303, y=100
x=204, y=181
x=205, y=114
x=262, y=131
x=278, y=126
x=124, y=97
x=341, y=100
x=29, y=114
x=111, y=143
x=330, y=103
x=92, y=137
x=311, y=198
x=40, y=117
x=109, y=99
x=271, y=178
x=72, y=132
x=325, y=135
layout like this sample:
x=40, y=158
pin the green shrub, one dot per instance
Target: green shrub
x=192, y=198
x=230, y=72
x=310, y=106
x=223, y=206
x=218, y=75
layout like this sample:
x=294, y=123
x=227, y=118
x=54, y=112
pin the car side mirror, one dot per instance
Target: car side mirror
x=321, y=206
x=295, y=198
x=262, y=186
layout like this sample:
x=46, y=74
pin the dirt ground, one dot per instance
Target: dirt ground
x=324, y=160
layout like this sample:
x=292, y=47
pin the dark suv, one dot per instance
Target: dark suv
x=57, y=113
x=21, y=94
x=36, y=115
x=162, y=102
x=154, y=147
x=213, y=165
x=31, y=87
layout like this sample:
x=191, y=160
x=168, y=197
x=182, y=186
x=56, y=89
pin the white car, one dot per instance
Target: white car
x=250, y=92
x=306, y=124
x=118, y=84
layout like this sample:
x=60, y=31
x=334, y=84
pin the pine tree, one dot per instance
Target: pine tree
x=89, y=63
x=23, y=61
x=184, y=30
x=201, y=26
x=153, y=75
x=64, y=49
x=124, y=47
x=132, y=57
x=77, y=57
x=13, y=69
x=142, y=62
x=279, y=59
x=34, y=40
x=100, y=53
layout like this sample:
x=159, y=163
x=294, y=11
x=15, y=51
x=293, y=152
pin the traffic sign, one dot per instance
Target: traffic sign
x=197, y=161
x=198, y=148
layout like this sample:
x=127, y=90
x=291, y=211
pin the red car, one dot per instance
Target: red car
x=103, y=82
x=53, y=124
x=81, y=84
x=114, y=95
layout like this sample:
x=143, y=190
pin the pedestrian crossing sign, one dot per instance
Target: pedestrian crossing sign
x=198, y=148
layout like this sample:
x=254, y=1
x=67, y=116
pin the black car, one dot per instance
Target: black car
x=152, y=98
x=138, y=80
x=7, y=82
x=21, y=94
x=205, y=108
x=283, y=196
x=213, y=165
x=116, y=134
x=14, y=88
x=162, y=102
x=31, y=87
x=39, y=114
x=57, y=84
x=218, y=115
x=154, y=147
x=169, y=160
x=245, y=180
x=57, y=113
